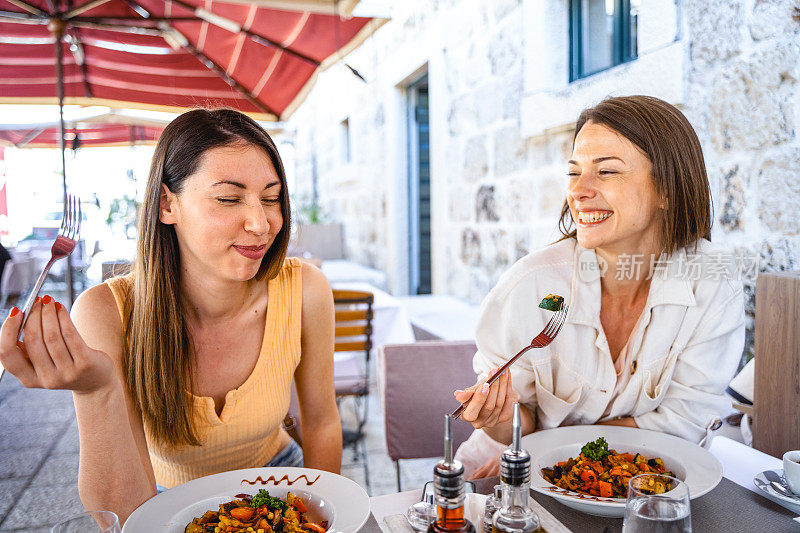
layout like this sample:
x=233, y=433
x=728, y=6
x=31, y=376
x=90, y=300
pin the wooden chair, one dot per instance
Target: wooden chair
x=353, y=343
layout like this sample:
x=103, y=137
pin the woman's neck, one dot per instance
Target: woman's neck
x=209, y=299
x=627, y=275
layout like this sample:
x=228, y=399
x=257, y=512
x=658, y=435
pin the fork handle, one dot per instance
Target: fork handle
x=34, y=294
x=496, y=376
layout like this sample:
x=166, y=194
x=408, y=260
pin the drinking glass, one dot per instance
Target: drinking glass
x=89, y=522
x=668, y=512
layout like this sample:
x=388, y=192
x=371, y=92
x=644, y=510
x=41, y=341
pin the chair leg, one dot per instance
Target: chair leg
x=364, y=459
x=397, y=469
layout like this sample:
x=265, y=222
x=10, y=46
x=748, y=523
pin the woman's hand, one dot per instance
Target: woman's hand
x=488, y=469
x=53, y=355
x=488, y=405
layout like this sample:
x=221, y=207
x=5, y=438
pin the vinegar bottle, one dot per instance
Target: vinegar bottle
x=515, y=514
x=448, y=482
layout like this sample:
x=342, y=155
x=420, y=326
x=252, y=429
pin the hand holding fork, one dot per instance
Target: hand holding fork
x=63, y=246
x=495, y=403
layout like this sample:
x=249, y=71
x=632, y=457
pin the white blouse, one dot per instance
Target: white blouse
x=682, y=354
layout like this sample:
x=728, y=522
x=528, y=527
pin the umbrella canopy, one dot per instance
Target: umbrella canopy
x=168, y=54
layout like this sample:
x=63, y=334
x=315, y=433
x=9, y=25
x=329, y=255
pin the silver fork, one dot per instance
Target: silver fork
x=65, y=242
x=539, y=341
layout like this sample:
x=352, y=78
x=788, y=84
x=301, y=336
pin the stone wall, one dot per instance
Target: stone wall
x=741, y=86
x=501, y=117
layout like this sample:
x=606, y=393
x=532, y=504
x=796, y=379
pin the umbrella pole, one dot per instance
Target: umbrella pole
x=57, y=28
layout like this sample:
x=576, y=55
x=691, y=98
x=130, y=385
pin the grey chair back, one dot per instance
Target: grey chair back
x=417, y=382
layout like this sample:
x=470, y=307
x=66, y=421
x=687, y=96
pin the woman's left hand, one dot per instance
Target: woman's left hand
x=488, y=469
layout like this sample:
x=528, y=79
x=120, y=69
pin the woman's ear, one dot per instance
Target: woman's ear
x=167, y=206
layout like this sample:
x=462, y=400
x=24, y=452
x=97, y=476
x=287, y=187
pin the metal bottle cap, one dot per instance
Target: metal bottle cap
x=515, y=463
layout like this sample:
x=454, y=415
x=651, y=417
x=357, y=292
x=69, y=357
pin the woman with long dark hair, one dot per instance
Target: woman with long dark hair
x=183, y=368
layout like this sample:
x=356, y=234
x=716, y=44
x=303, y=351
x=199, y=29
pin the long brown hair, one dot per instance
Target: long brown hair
x=158, y=361
x=665, y=136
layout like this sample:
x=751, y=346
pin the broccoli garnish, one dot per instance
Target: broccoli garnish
x=272, y=503
x=596, y=451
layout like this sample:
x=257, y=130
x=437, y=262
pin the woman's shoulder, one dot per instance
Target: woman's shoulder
x=713, y=270
x=546, y=266
x=96, y=316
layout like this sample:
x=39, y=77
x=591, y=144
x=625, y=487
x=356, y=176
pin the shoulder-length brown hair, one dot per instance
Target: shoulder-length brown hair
x=662, y=132
x=158, y=360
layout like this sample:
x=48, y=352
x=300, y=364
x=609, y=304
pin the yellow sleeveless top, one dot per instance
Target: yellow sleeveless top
x=247, y=432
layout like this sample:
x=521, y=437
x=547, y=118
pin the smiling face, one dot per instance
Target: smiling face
x=611, y=193
x=228, y=213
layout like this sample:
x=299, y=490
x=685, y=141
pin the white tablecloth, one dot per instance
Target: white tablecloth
x=740, y=464
x=390, y=324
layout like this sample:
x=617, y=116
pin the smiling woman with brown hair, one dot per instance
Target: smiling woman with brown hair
x=655, y=328
x=184, y=368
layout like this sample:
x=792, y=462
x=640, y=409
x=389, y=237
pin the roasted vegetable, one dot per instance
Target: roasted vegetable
x=552, y=302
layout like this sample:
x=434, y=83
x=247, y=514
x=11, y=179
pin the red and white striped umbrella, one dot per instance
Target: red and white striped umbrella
x=172, y=54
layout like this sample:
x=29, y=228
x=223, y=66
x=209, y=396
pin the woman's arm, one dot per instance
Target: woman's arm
x=115, y=470
x=319, y=417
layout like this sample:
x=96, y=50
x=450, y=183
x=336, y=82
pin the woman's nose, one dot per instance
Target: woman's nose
x=581, y=187
x=256, y=220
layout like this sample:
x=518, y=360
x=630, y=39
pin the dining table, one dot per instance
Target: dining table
x=734, y=505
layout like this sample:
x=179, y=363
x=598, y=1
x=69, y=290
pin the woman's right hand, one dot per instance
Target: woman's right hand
x=53, y=354
x=488, y=406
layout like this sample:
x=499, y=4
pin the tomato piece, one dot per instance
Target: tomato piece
x=242, y=513
x=311, y=526
x=299, y=505
x=606, y=490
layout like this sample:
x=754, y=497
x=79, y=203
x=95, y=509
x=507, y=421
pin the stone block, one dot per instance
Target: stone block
x=462, y=115
x=506, y=49
x=460, y=209
x=518, y=200
x=470, y=247
x=732, y=198
x=774, y=18
x=486, y=104
x=509, y=151
x=779, y=191
x=476, y=159
x=500, y=9
x=485, y=208
x=748, y=113
x=714, y=29
x=495, y=250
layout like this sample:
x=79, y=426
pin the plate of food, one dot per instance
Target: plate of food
x=588, y=467
x=282, y=499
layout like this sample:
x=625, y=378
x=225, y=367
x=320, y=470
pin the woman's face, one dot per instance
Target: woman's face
x=228, y=213
x=611, y=193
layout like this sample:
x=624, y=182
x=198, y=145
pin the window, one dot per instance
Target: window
x=602, y=35
x=344, y=135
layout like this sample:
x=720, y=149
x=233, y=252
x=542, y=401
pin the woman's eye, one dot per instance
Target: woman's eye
x=573, y=173
x=228, y=200
x=607, y=172
x=271, y=200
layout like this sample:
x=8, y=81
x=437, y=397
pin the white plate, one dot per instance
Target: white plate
x=330, y=497
x=762, y=481
x=690, y=463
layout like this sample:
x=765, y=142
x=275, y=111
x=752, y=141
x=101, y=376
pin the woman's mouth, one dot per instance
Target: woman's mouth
x=593, y=218
x=252, y=252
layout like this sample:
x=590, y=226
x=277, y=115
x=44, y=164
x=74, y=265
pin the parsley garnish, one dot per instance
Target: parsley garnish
x=596, y=451
x=272, y=503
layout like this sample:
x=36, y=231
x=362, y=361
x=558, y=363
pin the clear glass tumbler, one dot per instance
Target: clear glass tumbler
x=668, y=512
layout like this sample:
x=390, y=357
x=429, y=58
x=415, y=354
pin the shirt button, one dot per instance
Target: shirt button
x=633, y=368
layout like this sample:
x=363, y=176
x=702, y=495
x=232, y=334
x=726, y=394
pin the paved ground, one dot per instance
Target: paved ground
x=39, y=457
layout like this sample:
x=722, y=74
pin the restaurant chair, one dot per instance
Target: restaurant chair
x=417, y=382
x=19, y=275
x=353, y=343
